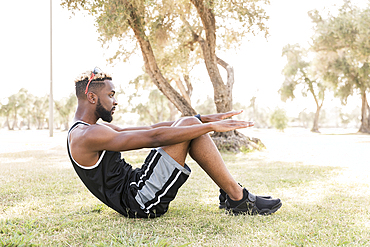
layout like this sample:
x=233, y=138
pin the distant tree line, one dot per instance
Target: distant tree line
x=150, y=107
x=24, y=110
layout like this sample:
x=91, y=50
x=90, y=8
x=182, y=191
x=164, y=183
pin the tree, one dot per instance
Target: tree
x=300, y=71
x=26, y=111
x=279, y=119
x=344, y=41
x=15, y=103
x=40, y=109
x=5, y=111
x=65, y=107
x=173, y=28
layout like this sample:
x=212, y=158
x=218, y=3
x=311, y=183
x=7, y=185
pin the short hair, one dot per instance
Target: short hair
x=96, y=83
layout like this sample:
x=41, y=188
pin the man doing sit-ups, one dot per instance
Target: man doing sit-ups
x=95, y=152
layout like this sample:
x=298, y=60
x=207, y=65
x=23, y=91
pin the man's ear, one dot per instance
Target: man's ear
x=92, y=97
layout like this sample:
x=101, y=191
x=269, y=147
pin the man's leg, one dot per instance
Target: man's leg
x=206, y=154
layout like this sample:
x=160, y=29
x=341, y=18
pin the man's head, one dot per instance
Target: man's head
x=96, y=83
x=98, y=95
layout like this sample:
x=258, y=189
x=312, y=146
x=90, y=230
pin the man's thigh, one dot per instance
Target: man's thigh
x=179, y=151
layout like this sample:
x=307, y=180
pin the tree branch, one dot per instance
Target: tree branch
x=182, y=89
x=230, y=73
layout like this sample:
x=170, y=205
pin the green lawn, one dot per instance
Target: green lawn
x=43, y=203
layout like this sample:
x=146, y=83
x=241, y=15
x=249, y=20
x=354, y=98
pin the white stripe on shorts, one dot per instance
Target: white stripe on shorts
x=164, y=192
x=146, y=171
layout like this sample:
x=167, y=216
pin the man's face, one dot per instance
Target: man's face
x=106, y=102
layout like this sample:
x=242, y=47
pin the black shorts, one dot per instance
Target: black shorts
x=153, y=186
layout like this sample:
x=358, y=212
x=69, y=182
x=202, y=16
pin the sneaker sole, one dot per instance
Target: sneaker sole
x=256, y=211
x=222, y=205
x=270, y=211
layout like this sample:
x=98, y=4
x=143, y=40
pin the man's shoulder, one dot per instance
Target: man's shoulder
x=91, y=138
x=90, y=131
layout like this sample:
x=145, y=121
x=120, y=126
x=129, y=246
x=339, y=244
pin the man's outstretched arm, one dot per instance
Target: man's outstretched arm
x=119, y=129
x=98, y=138
x=204, y=118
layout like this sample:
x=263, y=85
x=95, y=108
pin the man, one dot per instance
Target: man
x=94, y=150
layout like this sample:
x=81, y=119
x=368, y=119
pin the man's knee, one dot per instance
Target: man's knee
x=187, y=121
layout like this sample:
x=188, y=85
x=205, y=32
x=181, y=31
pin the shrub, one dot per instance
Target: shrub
x=279, y=119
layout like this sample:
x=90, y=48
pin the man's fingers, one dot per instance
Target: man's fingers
x=232, y=113
x=239, y=124
x=231, y=124
x=244, y=124
x=236, y=112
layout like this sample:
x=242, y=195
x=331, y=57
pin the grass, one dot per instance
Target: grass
x=43, y=203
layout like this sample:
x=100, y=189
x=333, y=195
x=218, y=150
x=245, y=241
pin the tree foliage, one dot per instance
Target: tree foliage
x=173, y=36
x=344, y=42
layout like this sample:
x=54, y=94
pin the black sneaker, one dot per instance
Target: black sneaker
x=252, y=205
x=222, y=198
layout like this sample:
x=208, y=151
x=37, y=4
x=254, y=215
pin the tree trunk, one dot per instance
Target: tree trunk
x=39, y=123
x=365, y=114
x=15, y=119
x=232, y=140
x=315, y=127
x=222, y=92
x=28, y=122
x=7, y=122
x=151, y=66
x=368, y=116
x=236, y=142
x=66, y=125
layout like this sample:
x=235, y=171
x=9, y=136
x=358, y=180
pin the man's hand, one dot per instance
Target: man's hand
x=219, y=116
x=230, y=124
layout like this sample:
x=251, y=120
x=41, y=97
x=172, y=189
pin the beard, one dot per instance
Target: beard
x=103, y=113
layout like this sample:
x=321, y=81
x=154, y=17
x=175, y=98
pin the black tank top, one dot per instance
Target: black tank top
x=107, y=179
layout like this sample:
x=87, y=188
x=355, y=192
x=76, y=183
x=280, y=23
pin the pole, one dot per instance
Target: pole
x=51, y=101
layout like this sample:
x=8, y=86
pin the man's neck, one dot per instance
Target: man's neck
x=85, y=114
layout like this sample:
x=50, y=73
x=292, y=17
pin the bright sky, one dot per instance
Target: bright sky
x=25, y=51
